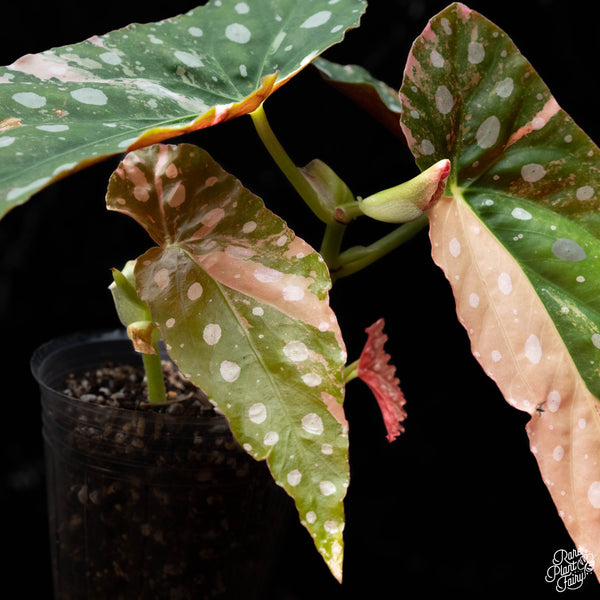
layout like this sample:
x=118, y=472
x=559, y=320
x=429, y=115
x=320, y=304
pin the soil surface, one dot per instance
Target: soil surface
x=123, y=386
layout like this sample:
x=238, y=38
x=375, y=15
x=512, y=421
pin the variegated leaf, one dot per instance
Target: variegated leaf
x=518, y=240
x=68, y=107
x=370, y=93
x=242, y=304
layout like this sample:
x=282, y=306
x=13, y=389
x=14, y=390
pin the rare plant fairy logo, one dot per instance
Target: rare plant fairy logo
x=569, y=569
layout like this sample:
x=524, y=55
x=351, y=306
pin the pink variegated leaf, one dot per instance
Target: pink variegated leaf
x=242, y=304
x=519, y=346
x=68, y=107
x=518, y=239
x=379, y=374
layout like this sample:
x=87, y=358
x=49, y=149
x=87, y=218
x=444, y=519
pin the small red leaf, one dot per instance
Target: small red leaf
x=376, y=371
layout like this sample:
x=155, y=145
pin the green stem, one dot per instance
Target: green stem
x=331, y=245
x=351, y=371
x=154, y=378
x=286, y=164
x=357, y=258
x=349, y=211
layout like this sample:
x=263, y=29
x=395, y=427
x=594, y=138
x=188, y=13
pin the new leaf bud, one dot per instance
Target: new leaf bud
x=409, y=200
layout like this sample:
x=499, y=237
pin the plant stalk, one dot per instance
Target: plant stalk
x=331, y=245
x=358, y=257
x=351, y=371
x=154, y=378
x=286, y=164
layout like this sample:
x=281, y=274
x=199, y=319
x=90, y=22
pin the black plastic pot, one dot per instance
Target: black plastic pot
x=148, y=505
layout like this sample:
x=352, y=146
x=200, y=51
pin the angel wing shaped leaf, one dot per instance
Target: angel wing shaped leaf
x=518, y=237
x=68, y=107
x=243, y=307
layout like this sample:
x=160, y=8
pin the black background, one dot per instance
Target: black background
x=456, y=506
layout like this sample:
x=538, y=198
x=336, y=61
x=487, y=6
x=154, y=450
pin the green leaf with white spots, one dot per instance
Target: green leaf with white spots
x=242, y=305
x=518, y=238
x=370, y=93
x=68, y=107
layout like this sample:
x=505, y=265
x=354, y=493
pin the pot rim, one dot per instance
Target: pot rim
x=49, y=350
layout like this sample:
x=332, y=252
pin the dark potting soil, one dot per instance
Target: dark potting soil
x=123, y=386
x=147, y=506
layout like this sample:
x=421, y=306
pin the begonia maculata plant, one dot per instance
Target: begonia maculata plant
x=509, y=187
